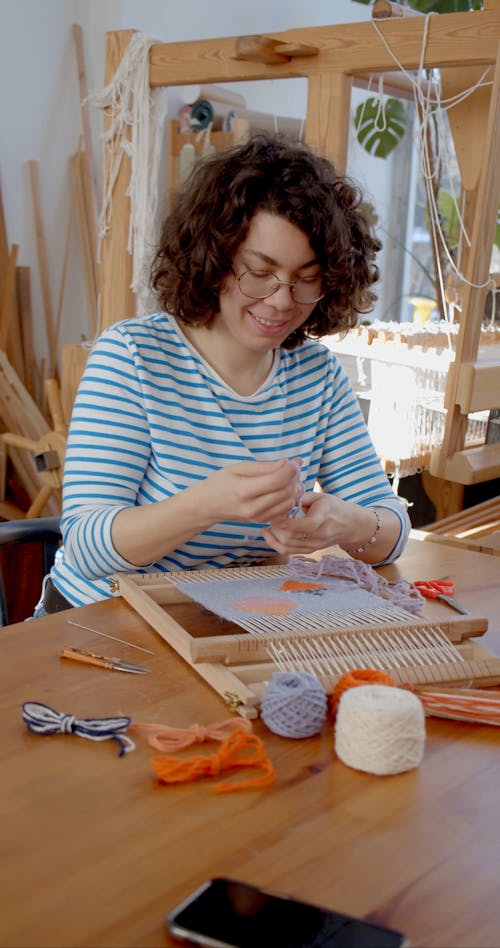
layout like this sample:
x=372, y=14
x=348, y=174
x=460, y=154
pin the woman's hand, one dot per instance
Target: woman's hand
x=329, y=521
x=252, y=491
x=247, y=492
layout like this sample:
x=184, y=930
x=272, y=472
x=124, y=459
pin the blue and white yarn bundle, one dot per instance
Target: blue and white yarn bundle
x=42, y=719
x=294, y=704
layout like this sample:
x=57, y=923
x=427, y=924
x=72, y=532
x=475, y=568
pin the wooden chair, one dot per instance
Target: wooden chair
x=18, y=539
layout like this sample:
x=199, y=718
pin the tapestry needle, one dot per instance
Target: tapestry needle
x=108, y=636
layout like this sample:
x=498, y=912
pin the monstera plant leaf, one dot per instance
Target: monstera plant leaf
x=380, y=130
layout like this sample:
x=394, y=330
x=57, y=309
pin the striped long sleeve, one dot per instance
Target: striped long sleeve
x=151, y=417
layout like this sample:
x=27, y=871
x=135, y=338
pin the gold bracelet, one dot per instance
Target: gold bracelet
x=361, y=549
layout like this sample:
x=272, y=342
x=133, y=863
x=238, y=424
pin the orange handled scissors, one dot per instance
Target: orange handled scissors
x=440, y=589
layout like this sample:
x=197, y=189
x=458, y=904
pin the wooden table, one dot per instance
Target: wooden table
x=94, y=852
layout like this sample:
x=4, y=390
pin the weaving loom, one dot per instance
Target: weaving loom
x=238, y=659
x=401, y=370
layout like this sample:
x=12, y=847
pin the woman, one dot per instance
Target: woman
x=217, y=431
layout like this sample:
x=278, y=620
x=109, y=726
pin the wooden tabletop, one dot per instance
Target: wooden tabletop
x=94, y=852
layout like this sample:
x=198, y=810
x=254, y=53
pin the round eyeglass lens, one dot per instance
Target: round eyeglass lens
x=261, y=285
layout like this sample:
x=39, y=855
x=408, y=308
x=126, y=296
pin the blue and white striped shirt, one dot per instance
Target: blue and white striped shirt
x=152, y=417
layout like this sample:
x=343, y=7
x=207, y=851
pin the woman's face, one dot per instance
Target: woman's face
x=272, y=246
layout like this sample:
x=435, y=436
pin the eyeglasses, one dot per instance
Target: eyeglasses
x=259, y=284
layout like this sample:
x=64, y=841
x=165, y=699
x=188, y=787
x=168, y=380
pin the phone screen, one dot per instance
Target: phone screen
x=224, y=913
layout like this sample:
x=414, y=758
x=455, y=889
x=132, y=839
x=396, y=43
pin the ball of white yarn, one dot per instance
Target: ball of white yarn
x=380, y=729
x=294, y=704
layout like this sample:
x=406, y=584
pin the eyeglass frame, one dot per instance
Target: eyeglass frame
x=276, y=288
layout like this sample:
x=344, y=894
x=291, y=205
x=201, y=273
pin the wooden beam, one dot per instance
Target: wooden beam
x=7, y=297
x=468, y=119
x=23, y=294
x=263, y=49
x=328, y=116
x=117, y=298
x=73, y=362
x=474, y=290
x=44, y=267
x=453, y=39
x=474, y=465
x=478, y=386
x=89, y=182
x=78, y=201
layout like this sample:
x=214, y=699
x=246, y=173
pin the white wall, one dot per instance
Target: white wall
x=40, y=110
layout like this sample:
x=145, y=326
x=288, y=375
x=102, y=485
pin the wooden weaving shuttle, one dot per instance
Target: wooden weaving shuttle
x=102, y=661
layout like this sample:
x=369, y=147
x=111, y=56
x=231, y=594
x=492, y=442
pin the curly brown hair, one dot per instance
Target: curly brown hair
x=212, y=213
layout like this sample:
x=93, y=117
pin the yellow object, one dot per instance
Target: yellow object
x=422, y=308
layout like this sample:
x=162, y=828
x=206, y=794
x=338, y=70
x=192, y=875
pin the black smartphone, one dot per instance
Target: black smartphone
x=224, y=913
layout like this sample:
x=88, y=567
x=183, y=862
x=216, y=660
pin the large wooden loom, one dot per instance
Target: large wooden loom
x=333, y=58
x=239, y=660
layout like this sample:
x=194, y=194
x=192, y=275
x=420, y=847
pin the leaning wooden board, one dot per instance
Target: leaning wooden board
x=238, y=664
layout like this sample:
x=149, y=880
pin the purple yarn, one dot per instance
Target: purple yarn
x=400, y=593
x=294, y=704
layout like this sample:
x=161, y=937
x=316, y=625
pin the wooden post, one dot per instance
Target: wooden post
x=88, y=178
x=23, y=295
x=117, y=298
x=44, y=267
x=477, y=272
x=328, y=116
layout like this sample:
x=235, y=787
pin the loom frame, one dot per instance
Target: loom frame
x=238, y=666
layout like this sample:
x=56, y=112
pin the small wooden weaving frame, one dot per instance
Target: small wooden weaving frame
x=237, y=663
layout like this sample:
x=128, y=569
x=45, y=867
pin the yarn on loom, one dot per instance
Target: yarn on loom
x=294, y=704
x=400, y=593
x=380, y=729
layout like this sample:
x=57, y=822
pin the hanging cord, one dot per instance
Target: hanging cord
x=42, y=719
x=381, y=117
x=137, y=111
x=426, y=111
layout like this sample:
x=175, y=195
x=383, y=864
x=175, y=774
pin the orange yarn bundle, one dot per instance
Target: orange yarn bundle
x=165, y=738
x=356, y=677
x=239, y=750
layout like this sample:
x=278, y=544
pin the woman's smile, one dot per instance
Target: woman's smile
x=269, y=325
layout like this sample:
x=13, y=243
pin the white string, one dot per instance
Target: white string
x=362, y=113
x=42, y=719
x=136, y=126
x=426, y=110
x=381, y=117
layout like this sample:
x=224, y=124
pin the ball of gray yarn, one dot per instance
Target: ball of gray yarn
x=294, y=704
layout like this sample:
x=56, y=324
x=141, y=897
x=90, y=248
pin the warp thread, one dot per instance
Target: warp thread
x=42, y=719
x=380, y=729
x=294, y=704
